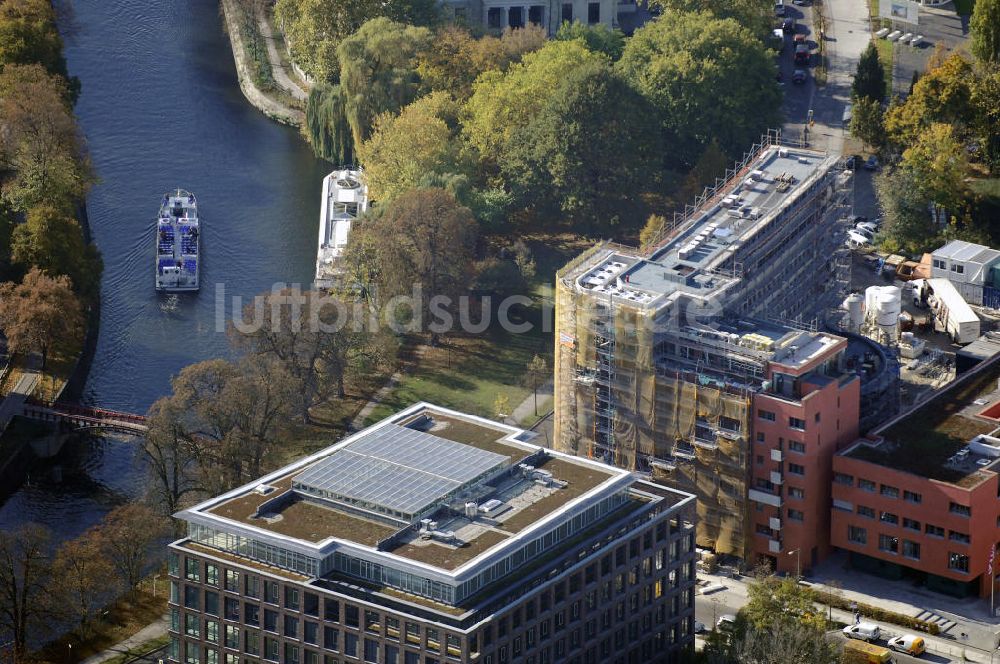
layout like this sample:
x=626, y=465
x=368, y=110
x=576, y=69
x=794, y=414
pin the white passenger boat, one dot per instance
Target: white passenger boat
x=178, y=243
x=345, y=198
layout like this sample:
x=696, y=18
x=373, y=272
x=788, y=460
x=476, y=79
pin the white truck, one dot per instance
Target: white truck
x=949, y=307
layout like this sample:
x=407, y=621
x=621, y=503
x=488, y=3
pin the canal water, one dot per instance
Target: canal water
x=161, y=108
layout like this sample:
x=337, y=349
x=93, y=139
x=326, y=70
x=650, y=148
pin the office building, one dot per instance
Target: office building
x=918, y=497
x=436, y=537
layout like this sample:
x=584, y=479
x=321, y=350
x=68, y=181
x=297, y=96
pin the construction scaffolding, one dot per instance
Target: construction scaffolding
x=641, y=386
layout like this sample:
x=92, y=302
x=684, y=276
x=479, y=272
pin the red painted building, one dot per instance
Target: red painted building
x=919, y=496
x=808, y=412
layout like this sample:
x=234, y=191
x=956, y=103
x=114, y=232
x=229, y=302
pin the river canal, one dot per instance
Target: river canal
x=161, y=108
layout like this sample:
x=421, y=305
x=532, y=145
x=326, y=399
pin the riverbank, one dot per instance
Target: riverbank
x=266, y=104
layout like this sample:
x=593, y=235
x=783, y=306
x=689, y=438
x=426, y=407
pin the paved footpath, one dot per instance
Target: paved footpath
x=278, y=70
x=526, y=409
x=148, y=633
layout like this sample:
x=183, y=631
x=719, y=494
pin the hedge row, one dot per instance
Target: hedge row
x=875, y=613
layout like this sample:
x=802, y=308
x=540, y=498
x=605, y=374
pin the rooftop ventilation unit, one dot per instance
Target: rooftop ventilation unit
x=263, y=489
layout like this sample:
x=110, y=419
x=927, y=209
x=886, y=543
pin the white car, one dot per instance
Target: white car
x=699, y=627
x=905, y=39
x=725, y=622
x=882, y=33
x=863, y=631
x=861, y=230
x=868, y=226
x=856, y=240
x=894, y=35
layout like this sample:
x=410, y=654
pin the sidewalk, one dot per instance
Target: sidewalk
x=526, y=409
x=278, y=70
x=143, y=636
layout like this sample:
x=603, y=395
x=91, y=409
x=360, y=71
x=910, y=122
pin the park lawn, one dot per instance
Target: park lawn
x=988, y=187
x=467, y=373
x=125, y=617
x=884, y=47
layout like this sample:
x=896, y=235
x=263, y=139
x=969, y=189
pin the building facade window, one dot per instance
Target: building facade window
x=865, y=511
x=796, y=492
x=889, y=491
x=843, y=478
x=766, y=415
x=890, y=518
x=961, y=510
x=796, y=515
x=911, y=549
x=796, y=469
x=888, y=543
x=593, y=13
x=796, y=423
x=934, y=531
x=912, y=497
x=958, y=562
x=958, y=537
x=866, y=485
x=857, y=535
x=796, y=446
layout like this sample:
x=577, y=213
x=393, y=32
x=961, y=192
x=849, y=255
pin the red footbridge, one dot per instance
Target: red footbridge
x=84, y=418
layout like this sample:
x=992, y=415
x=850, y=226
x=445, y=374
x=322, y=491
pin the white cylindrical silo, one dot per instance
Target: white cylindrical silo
x=854, y=305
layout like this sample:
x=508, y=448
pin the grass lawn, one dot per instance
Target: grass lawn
x=125, y=618
x=468, y=372
x=988, y=187
x=884, y=47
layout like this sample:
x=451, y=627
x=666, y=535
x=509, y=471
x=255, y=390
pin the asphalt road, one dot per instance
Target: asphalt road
x=901, y=658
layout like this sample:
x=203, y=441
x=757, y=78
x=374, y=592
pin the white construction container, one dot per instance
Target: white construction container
x=959, y=320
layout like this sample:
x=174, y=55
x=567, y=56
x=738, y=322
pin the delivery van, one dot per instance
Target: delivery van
x=869, y=652
x=908, y=643
x=864, y=631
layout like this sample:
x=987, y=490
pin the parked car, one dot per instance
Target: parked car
x=866, y=226
x=861, y=230
x=800, y=38
x=854, y=162
x=779, y=9
x=863, y=631
x=908, y=643
x=699, y=627
x=872, y=163
x=788, y=25
x=856, y=240
x=799, y=76
x=725, y=622
x=802, y=54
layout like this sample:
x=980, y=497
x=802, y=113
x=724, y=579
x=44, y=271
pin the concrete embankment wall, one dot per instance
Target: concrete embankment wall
x=254, y=95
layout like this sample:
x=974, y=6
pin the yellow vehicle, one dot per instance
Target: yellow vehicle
x=867, y=652
x=912, y=645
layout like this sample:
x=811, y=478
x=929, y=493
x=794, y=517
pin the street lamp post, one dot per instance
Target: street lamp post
x=798, y=562
x=70, y=652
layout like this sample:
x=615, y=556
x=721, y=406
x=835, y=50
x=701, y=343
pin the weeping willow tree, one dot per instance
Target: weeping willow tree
x=327, y=128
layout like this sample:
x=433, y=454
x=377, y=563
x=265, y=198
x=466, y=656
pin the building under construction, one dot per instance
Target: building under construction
x=663, y=353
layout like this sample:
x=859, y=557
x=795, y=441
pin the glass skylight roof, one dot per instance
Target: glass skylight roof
x=397, y=471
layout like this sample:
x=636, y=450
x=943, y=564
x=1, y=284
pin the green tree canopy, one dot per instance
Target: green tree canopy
x=52, y=240
x=326, y=126
x=406, y=148
x=589, y=148
x=598, y=38
x=40, y=145
x=939, y=164
x=28, y=35
x=504, y=101
x=943, y=94
x=423, y=239
x=315, y=28
x=455, y=58
x=708, y=78
x=377, y=71
x=985, y=30
x=753, y=14
x=866, y=122
x=869, y=81
x=908, y=224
